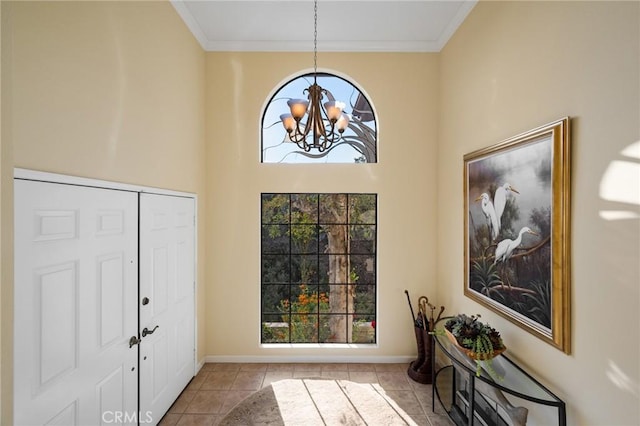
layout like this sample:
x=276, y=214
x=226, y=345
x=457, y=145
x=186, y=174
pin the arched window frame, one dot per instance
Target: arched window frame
x=359, y=142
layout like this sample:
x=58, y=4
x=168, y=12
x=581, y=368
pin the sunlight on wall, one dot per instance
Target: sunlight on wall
x=621, y=380
x=621, y=183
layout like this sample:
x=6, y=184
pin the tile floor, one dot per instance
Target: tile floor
x=219, y=387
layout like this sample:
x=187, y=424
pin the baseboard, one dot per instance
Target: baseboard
x=260, y=359
x=199, y=365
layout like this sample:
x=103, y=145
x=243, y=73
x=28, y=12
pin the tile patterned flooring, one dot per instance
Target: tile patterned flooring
x=218, y=387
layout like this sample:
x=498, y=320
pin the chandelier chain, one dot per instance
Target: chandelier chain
x=324, y=125
x=315, y=37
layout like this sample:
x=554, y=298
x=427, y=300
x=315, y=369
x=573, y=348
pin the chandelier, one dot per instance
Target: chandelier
x=324, y=125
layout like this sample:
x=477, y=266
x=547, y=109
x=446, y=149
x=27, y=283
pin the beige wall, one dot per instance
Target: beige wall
x=111, y=90
x=513, y=66
x=6, y=226
x=238, y=85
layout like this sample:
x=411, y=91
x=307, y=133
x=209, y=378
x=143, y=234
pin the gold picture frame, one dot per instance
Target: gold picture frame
x=517, y=230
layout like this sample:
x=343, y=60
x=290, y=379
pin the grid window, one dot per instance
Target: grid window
x=318, y=268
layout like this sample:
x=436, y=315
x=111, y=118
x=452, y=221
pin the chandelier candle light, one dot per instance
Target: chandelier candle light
x=325, y=125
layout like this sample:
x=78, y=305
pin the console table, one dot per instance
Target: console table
x=480, y=400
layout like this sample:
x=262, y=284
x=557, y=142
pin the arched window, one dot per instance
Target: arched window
x=358, y=143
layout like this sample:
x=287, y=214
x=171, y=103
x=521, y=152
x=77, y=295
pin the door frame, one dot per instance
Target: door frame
x=36, y=175
x=28, y=174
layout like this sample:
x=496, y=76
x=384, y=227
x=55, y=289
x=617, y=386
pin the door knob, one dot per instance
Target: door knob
x=133, y=341
x=146, y=331
x=145, y=301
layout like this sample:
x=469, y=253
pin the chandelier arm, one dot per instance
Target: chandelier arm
x=332, y=123
x=322, y=153
x=328, y=141
x=329, y=134
x=316, y=118
x=298, y=137
x=300, y=133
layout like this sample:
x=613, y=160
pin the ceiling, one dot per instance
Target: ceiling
x=343, y=26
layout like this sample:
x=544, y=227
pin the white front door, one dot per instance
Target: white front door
x=166, y=300
x=75, y=305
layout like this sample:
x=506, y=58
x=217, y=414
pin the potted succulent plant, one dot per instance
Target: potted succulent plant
x=477, y=340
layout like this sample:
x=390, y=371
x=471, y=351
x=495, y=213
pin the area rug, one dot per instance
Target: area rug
x=311, y=402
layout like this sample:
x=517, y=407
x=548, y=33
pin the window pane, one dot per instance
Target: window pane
x=336, y=241
x=334, y=269
x=326, y=335
x=304, y=299
x=333, y=208
x=365, y=300
x=275, y=299
x=364, y=268
x=275, y=329
x=304, y=238
x=323, y=297
x=275, y=269
x=304, y=328
x=304, y=269
x=362, y=208
x=363, y=239
x=338, y=328
x=323, y=269
x=339, y=298
x=275, y=208
x=275, y=239
x=304, y=208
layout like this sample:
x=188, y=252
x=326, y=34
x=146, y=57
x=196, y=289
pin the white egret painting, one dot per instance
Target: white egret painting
x=517, y=230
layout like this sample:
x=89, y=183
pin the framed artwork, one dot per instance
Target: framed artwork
x=516, y=230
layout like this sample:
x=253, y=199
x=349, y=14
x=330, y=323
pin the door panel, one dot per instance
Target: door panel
x=111, y=288
x=65, y=417
x=167, y=268
x=75, y=304
x=55, y=322
x=110, y=391
x=159, y=279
